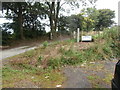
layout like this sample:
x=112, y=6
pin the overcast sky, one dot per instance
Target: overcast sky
x=100, y=4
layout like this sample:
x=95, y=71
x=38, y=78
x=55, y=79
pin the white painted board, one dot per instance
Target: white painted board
x=86, y=38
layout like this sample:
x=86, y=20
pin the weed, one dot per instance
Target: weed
x=71, y=41
x=29, y=53
x=45, y=44
x=108, y=78
x=61, y=50
x=95, y=80
x=40, y=59
x=91, y=78
x=54, y=63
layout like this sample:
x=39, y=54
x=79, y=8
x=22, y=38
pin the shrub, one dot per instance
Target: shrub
x=45, y=44
x=54, y=63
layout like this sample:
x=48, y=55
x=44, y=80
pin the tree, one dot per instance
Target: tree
x=88, y=24
x=25, y=18
x=15, y=11
x=32, y=20
x=54, y=8
x=105, y=18
x=91, y=18
x=98, y=19
x=53, y=12
x=63, y=24
x=75, y=21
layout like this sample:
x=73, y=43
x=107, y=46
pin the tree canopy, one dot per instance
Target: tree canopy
x=28, y=18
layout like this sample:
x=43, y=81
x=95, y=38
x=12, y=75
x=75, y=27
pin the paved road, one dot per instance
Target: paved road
x=77, y=77
x=15, y=51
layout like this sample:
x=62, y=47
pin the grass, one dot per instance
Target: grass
x=108, y=78
x=12, y=76
x=44, y=63
x=45, y=44
x=97, y=81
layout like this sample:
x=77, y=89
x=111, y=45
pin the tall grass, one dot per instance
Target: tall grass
x=107, y=49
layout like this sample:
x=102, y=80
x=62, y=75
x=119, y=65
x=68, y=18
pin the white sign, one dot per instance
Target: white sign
x=86, y=38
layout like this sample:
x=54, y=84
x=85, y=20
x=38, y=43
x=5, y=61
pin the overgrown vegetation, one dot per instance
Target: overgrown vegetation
x=106, y=47
x=50, y=59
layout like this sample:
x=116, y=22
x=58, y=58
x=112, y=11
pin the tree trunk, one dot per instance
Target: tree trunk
x=53, y=17
x=56, y=16
x=20, y=20
x=50, y=14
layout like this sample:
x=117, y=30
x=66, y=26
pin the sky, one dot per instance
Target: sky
x=100, y=4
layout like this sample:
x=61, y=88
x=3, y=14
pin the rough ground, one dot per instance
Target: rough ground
x=90, y=75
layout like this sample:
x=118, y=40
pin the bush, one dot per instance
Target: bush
x=45, y=44
x=54, y=63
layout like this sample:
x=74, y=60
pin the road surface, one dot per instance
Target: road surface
x=15, y=51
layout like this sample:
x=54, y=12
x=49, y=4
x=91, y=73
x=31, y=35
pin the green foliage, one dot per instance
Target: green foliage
x=45, y=44
x=29, y=54
x=40, y=59
x=75, y=21
x=28, y=67
x=5, y=37
x=69, y=57
x=112, y=38
x=29, y=25
x=26, y=24
x=105, y=18
x=63, y=24
x=91, y=20
x=54, y=63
